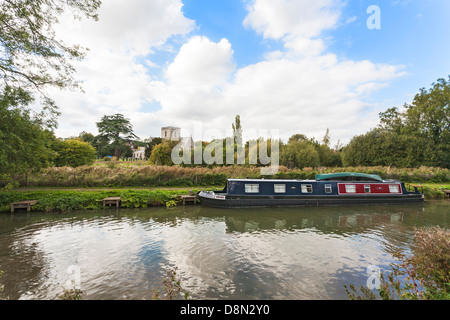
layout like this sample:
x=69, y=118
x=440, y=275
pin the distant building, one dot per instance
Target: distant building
x=171, y=133
x=174, y=134
x=139, y=153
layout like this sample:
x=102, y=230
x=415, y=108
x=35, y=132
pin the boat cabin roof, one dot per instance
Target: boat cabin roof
x=348, y=176
x=341, y=176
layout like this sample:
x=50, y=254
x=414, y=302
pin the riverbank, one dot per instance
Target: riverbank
x=68, y=199
x=58, y=200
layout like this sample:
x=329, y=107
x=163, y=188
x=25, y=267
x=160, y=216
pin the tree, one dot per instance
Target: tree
x=115, y=132
x=328, y=157
x=237, y=130
x=299, y=153
x=150, y=145
x=298, y=137
x=25, y=145
x=32, y=58
x=162, y=153
x=326, y=138
x=387, y=148
x=302, y=152
x=429, y=113
x=86, y=137
x=73, y=153
x=427, y=121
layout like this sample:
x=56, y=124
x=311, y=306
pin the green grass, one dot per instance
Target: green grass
x=432, y=191
x=68, y=200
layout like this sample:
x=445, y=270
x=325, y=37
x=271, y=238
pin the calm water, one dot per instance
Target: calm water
x=303, y=253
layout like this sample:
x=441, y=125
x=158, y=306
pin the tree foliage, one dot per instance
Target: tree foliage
x=162, y=153
x=150, y=145
x=237, y=130
x=115, y=132
x=32, y=57
x=301, y=152
x=73, y=153
x=25, y=145
x=418, y=135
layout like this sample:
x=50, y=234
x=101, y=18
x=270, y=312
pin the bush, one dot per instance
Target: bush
x=425, y=275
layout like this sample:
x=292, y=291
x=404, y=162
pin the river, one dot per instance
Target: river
x=290, y=253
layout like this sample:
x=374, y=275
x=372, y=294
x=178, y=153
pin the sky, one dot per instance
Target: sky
x=285, y=66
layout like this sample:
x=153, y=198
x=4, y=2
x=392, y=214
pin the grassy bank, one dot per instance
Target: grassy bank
x=145, y=185
x=432, y=191
x=63, y=199
x=68, y=200
x=118, y=175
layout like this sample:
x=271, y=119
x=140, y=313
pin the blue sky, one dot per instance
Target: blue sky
x=292, y=66
x=223, y=19
x=413, y=33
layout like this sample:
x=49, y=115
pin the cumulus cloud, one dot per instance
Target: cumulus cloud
x=297, y=23
x=202, y=63
x=301, y=88
x=114, y=73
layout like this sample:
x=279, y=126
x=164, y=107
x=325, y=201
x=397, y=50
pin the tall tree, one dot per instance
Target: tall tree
x=116, y=131
x=237, y=130
x=32, y=57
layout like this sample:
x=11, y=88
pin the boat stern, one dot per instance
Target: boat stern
x=211, y=198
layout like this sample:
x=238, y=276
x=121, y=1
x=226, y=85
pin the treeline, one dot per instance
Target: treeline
x=414, y=136
x=417, y=135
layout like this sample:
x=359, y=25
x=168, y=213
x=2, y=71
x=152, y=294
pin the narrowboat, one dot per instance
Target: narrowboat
x=326, y=189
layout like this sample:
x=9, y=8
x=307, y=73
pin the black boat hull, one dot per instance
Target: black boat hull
x=305, y=201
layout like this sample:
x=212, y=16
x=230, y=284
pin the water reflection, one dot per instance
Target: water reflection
x=303, y=253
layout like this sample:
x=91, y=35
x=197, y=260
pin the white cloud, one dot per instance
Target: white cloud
x=114, y=74
x=299, y=89
x=302, y=89
x=306, y=18
x=202, y=63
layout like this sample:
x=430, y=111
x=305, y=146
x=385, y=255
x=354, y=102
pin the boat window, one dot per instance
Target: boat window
x=252, y=188
x=350, y=188
x=306, y=188
x=328, y=188
x=367, y=188
x=393, y=188
x=279, y=188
